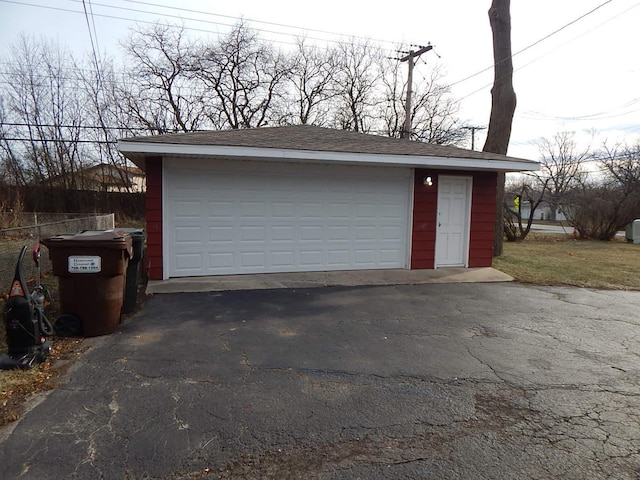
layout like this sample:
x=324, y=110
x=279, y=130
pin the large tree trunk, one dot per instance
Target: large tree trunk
x=503, y=102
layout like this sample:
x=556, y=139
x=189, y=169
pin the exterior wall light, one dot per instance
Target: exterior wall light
x=427, y=181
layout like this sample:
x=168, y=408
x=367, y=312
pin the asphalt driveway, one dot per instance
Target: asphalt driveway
x=442, y=381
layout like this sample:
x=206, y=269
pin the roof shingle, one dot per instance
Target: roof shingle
x=313, y=138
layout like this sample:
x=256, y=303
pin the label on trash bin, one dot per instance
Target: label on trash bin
x=84, y=264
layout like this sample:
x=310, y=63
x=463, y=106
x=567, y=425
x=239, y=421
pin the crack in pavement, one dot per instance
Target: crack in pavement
x=505, y=412
x=527, y=392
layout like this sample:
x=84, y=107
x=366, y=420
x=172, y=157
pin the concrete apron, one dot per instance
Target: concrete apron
x=349, y=278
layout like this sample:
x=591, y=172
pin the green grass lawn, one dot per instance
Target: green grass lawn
x=560, y=260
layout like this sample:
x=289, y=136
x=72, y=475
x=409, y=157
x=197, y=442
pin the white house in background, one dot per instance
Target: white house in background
x=104, y=177
x=112, y=178
x=543, y=212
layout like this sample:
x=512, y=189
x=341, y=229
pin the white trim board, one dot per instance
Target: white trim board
x=290, y=155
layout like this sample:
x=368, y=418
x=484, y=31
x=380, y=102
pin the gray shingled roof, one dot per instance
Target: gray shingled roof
x=312, y=138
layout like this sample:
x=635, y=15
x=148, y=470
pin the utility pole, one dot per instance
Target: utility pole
x=473, y=135
x=406, y=131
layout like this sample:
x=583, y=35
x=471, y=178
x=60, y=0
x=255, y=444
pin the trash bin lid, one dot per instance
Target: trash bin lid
x=136, y=233
x=115, y=239
x=138, y=236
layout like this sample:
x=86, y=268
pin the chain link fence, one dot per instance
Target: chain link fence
x=18, y=230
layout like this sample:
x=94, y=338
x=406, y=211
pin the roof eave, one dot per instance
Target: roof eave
x=138, y=151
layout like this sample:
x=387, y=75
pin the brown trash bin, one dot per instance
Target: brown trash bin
x=91, y=268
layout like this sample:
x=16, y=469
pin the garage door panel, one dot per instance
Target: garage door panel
x=393, y=234
x=365, y=257
x=390, y=256
x=311, y=211
x=221, y=261
x=219, y=210
x=367, y=232
x=252, y=259
x=388, y=211
x=282, y=258
x=188, y=209
x=227, y=222
x=338, y=233
x=283, y=210
x=186, y=235
x=282, y=233
x=188, y=261
x=252, y=209
x=338, y=257
x=339, y=210
x=311, y=233
x=311, y=258
x=221, y=233
x=366, y=210
x=252, y=233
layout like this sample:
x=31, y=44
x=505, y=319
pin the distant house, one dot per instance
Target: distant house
x=303, y=198
x=543, y=212
x=112, y=178
x=105, y=177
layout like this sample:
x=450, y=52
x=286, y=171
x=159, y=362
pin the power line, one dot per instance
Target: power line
x=147, y=22
x=60, y=9
x=93, y=46
x=483, y=88
x=53, y=125
x=275, y=24
x=605, y=115
x=200, y=12
x=533, y=44
x=57, y=140
x=306, y=29
x=93, y=22
x=473, y=134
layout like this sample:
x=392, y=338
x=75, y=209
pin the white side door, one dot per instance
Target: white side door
x=454, y=221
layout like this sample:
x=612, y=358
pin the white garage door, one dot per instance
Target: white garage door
x=251, y=217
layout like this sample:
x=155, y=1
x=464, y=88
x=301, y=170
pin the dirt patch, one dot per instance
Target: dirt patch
x=16, y=386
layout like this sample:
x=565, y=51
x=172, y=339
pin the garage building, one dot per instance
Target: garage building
x=305, y=198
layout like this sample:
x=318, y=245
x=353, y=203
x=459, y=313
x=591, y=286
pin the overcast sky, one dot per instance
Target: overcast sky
x=584, y=78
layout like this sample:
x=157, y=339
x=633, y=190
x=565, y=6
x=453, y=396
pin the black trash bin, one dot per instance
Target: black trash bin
x=138, y=236
x=91, y=268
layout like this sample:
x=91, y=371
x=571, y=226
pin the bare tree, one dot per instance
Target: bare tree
x=44, y=111
x=600, y=208
x=103, y=115
x=562, y=169
x=621, y=165
x=392, y=109
x=57, y=118
x=503, y=101
x=246, y=77
x=312, y=85
x=433, y=111
x=561, y=175
x=60, y=115
x=358, y=76
x=158, y=91
x=11, y=163
x=517, y=226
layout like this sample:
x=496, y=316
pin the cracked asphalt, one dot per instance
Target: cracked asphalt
x=442, y=381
